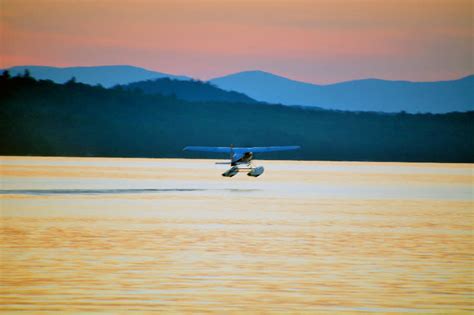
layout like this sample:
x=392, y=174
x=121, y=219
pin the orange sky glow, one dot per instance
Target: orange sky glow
x=319, y=41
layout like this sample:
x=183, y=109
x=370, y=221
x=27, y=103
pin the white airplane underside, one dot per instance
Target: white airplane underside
x=241, y=158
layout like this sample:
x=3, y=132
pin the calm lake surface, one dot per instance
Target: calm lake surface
x=171, y=235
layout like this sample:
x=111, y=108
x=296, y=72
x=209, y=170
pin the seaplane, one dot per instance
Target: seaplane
x=241, y=157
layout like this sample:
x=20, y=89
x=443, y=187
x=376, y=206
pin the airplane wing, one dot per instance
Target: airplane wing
x=242, y=150
x=208, y=149
x=267, y=149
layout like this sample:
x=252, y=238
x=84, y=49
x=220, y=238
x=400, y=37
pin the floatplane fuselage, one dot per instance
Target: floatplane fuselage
x=241, y=157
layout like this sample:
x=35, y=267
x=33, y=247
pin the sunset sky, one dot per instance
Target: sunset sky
x=319, y=41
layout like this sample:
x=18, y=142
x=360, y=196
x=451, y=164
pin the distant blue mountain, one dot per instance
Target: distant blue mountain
x=360, y=95
x=107, y=76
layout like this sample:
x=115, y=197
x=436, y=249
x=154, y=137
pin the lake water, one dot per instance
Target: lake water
x=173, y=235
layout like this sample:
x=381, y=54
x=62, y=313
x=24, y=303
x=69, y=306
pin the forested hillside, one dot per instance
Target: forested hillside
x=190, y=90
x=74, y=119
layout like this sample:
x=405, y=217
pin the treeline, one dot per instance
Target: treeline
x=188, y=90
x=74, y=119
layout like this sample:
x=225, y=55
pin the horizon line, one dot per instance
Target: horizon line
x=246, y=71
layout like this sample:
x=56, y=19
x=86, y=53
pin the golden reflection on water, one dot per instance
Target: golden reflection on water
x=221, y=252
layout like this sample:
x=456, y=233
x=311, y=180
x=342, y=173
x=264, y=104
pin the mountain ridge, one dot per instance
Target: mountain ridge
x=357, y=95
x=371, y=94
x=107, y=75
x=261, y=72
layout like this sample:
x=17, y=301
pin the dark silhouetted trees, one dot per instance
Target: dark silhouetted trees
x=189, y=90
x=75, y=119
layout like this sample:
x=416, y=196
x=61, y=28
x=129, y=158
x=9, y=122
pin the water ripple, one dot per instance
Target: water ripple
x=42, y=192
